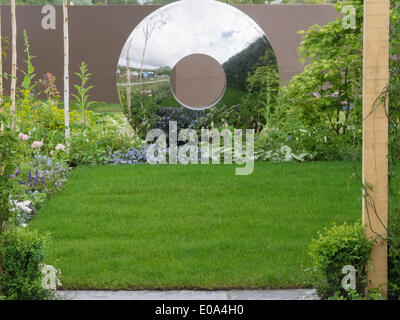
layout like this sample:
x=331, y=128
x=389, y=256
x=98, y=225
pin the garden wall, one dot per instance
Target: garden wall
x=98, y=33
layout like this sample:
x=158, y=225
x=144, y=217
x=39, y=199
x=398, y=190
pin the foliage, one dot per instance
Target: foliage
x=38, y=120
x=184, y=117
x=394, y=154
x=26, y=205
x=94, y=144
x=81, y=97
x=240, y=66
x=354, y=295
x=330, y=85
x=42, y=118
x=8, y=162
x=331, y=251
x=284, y=153
x=142, y=113
x=49, y=84
x=262, y=98
x=254, y=108
x=44, y=174
x=29, y=73
x=22, y=250
x=319, y=111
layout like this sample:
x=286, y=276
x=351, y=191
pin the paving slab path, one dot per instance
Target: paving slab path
x=284, y=294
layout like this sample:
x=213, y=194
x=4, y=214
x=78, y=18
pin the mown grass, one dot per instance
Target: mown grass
x=194, y=226
x=231, y=97
x=106, y=107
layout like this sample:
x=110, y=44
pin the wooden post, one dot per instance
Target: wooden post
x=375, y=136
x=66, y=74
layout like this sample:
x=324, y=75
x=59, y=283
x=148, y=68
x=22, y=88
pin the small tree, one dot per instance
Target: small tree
x=328, y=92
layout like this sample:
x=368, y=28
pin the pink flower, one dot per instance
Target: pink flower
x=51, y=153
x=37, y=144
x=60, y=147
x=23, y=137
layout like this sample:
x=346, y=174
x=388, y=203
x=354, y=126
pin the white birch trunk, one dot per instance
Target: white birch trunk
x=1, y=63
x=128, y=82
x=14, y=62
x=66, y=74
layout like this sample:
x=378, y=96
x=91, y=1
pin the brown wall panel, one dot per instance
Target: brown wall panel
x=98, y=33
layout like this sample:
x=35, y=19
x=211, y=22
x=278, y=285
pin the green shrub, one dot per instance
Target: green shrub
x=331, y=251
x=394, y=222
x=103, y=135
x=354, y=295
x=21, y=252
x=8, y=160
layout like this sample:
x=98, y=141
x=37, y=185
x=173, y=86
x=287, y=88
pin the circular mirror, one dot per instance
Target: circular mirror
x=189, y=53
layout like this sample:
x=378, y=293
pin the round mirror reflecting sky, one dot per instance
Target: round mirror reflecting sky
x=234, y=43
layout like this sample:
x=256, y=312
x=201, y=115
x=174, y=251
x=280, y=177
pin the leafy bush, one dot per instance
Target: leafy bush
x=354, y=295
x=330, y=252
x=394, y=154
x=93, y=144
x=261, y=100
x=319, y=111
x=8, y=161
x=22, y=250
x=141, y=111
x=239, y=66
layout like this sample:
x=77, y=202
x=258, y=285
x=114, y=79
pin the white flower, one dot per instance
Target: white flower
x=24, y=225
x=24, y=205
x=60, y=147
x=37, y=144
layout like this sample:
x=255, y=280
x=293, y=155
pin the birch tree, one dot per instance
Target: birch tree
x=1, y=64
x=13, y=63
x=66, y=74
x=128, y=81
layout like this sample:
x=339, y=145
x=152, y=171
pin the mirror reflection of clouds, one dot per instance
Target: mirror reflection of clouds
x=187, y=27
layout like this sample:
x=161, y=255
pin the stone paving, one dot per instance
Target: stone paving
x=285, y=294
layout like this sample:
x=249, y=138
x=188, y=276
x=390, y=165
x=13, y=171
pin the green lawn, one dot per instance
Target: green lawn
x=231, y=97
x=194, y=226
x=105, y=107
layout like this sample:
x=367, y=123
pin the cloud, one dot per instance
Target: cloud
x=188, y=27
